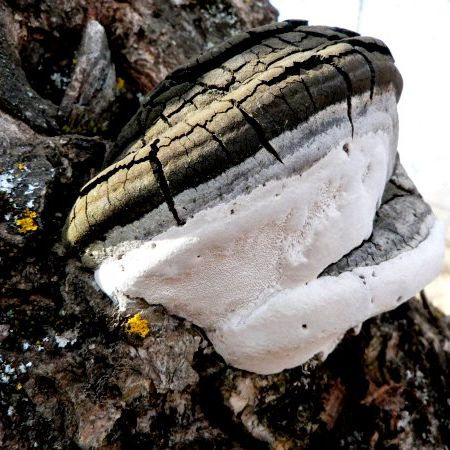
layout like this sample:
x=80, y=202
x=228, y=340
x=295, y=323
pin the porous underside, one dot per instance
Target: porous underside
x=279, y=260
x=403, y=253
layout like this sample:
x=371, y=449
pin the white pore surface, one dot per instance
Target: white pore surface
x=296, y=324
x=245, y=268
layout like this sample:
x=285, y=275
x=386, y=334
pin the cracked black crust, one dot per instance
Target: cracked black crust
x=399, y=226
x=182, y=79
x=182, y=83
x=259, y=132
x=211, y=115
x=158, y=172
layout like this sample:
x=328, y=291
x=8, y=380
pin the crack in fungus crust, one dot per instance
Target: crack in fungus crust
x=278, y=77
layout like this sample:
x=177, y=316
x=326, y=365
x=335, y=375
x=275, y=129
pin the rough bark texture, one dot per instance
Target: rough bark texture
x=71, y=376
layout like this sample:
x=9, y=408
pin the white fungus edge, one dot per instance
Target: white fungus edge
x=272, y=337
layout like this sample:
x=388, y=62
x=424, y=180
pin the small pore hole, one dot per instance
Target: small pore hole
x=346, y=148
x=304, y=326
x=399, y=299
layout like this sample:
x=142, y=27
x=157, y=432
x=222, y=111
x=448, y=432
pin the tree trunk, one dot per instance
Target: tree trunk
x=71, y=74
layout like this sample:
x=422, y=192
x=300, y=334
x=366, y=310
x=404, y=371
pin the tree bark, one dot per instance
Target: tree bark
x=71, y=74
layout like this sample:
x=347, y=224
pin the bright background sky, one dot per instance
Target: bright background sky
x=418, y=35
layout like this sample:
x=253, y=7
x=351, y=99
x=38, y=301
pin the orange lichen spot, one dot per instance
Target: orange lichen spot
x=21, y=166
x=120, y=84
x=27, y=223
x=138, y=325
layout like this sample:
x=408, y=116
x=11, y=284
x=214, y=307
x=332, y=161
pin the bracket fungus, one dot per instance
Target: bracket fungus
x=259, y=195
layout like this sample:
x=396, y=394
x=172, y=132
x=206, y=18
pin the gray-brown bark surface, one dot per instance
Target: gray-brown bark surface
x=70, y=374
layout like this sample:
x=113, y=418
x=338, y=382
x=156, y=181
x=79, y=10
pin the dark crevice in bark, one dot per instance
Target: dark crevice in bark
x=86, y=213
x=259, y=133
x=107, y=194
x=158, y=172
x=325, y=272
x=282, y=97
x=348, y=84
x=132, y=162
x=391, y=199
x=401, y=188
x=315, y=60
x=308, y=92
x=187, y=101
x=330, y=37
x=349, y=33
x=114, y=169
x=219, y=142
x=372, y=71
x=371, y=47
x=165, y=119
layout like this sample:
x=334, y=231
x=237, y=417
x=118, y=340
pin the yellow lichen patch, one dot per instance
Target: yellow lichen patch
x=27, y=223
x=138, y=325
x=19, y=386
x=21, y=166
x=120, y=84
